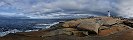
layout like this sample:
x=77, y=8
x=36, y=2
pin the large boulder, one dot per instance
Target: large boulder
x=103, y=27
x=78, y=33
x=75, y=23
x=71, y=24
x=109, y=20
x=57, y=32
x=114, y=29
x=89, y=26
x=129, y=23
x=69, y=29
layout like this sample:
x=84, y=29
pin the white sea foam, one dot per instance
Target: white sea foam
x=10, y=31
x=15, y=30
x=45, y=26
x=52, y=24
x=31, y=30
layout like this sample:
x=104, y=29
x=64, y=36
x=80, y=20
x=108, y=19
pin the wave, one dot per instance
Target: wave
x=45, y=26
x=42, y=26
x=14, y=31
x=10, y=31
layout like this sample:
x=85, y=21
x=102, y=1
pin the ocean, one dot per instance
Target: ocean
x=25, y=25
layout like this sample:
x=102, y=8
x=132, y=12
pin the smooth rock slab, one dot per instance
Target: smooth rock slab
x=69, y=29
x=57, y=32
x=78, y=33
x=89, y=26
x=113, y=29
x=71, y=24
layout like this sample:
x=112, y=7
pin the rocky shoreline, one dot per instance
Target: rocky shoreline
x=92, y=28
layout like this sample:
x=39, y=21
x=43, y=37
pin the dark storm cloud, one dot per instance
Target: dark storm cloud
x=62, y=8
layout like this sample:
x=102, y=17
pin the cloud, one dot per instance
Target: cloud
x=126, y=8
x=2, y=3
x=70, y=8
x=73, y=5
x=11, y=14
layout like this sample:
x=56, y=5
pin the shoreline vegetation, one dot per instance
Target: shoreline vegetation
x=90, y=28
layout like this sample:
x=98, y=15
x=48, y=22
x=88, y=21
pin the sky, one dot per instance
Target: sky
x=48, y=9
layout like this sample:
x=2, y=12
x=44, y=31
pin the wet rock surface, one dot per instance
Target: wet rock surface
x=97, y=28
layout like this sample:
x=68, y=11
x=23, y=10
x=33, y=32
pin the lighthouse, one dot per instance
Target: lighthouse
x=109, y=14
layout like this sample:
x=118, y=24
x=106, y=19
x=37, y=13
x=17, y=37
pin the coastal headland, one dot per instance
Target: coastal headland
x=91, y=28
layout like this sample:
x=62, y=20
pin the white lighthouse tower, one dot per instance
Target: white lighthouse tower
x=109, y=14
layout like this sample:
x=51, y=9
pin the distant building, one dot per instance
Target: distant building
x=109, y=14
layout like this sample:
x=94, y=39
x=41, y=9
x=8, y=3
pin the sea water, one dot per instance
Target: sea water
x=25, y=25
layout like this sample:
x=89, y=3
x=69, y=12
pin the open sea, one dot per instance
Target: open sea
x=25, y=25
